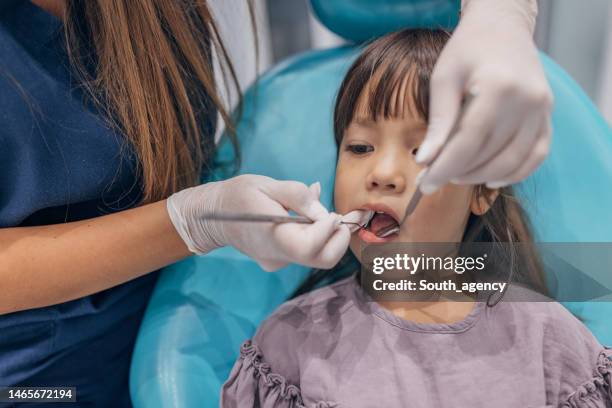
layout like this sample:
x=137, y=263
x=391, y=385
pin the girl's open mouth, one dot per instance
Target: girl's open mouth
x=379, y=221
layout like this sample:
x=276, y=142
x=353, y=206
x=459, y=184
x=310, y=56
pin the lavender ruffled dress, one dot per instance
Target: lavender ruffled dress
x=334, y=348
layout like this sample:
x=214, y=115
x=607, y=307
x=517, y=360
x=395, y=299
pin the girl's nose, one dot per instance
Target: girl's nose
x=387, y=180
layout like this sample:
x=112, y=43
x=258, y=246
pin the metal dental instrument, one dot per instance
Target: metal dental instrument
x=417, y=195
x=276, y=219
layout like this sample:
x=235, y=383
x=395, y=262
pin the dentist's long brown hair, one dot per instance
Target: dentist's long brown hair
x=147, y=65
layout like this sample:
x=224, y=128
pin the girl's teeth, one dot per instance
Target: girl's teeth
x=390, y=232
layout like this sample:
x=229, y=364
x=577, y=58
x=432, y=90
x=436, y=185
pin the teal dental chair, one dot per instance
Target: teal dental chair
x=203, y=308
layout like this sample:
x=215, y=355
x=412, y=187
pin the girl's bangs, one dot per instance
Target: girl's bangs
x=393, y=92
x=390, y=79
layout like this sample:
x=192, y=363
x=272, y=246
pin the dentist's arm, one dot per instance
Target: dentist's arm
x=505, y=134
x=46, y=265
x=50, y=264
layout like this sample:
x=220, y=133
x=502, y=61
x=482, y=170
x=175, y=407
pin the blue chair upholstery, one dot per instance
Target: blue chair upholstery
x=204, y=307
x=358, y=21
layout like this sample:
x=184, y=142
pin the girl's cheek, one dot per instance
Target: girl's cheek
x=343, y=186
x=439, y=217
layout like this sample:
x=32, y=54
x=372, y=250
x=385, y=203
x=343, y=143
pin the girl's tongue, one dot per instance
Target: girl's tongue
x=380, y=221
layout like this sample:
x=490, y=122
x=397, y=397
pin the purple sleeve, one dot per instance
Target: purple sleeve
x=266, y=373
x=595, y=392
x=253, y=383
x=578, y=368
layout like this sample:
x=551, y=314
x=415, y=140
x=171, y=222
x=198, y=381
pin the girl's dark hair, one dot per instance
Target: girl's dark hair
x=401, y=63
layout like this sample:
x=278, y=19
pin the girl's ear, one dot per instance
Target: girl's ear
x=482, y=199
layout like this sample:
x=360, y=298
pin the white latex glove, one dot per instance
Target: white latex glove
x=272, y=246
x=505, y=133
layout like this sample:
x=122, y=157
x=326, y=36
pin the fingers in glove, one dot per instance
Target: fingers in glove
x=301, y=243
x=296, y=196
x=534, y=159
x=315, y=188
x=333, y=249
x=509, y=159
x=319, y=245
x=270, y=265
x=473, y=132
x=506, y=128
x=445, y=104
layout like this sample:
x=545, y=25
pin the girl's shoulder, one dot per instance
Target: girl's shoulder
x=539, y=313
x=270, y=361
x=576, y=366
x=340, y=290
x=288, y=328
x=313, y=308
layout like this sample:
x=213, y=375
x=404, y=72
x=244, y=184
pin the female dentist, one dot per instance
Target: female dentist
x=107, y=114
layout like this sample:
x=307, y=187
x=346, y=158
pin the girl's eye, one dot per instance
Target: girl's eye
x=359, y=148
x=415, y=151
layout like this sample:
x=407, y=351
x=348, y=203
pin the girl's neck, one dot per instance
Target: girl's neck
x=445, y=312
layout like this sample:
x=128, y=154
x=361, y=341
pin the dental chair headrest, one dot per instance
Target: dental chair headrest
x=358, y=20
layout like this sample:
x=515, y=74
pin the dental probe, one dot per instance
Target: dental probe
x=276, y=219
x=417, y=195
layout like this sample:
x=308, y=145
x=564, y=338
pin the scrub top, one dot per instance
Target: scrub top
x=60, y=162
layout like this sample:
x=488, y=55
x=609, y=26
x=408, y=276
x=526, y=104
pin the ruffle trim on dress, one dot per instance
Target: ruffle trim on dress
x=252, y=355
x=597, y=392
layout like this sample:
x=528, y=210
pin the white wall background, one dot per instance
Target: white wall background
x=234, y=23
x=575, y=33
x=605, y=94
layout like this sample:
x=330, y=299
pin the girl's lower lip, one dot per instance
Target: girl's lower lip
x=370, y=237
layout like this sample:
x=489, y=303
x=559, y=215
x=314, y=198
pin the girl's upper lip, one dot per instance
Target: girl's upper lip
x=383, y=208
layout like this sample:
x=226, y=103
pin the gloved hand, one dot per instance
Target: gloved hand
x=272, y=246
x=505, y=133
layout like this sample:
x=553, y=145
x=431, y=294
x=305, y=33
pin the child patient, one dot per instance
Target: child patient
x=335, y=347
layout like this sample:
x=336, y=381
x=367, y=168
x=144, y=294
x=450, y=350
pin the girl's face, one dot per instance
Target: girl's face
x=376, y=170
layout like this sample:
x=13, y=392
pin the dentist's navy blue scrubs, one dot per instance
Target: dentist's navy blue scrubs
x=59, y=163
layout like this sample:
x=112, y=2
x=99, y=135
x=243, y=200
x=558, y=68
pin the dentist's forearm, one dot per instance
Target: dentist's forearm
x=45, y=265
x=524, y=11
